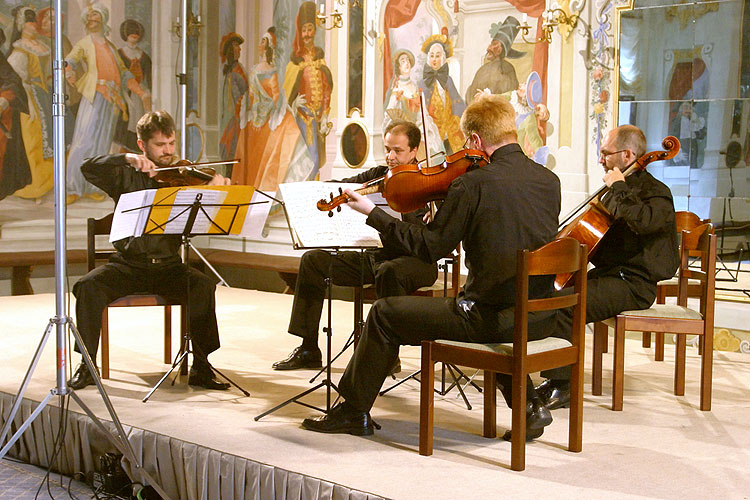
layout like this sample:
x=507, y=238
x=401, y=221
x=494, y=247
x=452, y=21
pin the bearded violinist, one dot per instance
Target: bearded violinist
x=392, y=270
x=510, y=204
x=638, y=250
x=148, y=263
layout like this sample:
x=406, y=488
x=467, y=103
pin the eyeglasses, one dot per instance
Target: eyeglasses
x=603, y=154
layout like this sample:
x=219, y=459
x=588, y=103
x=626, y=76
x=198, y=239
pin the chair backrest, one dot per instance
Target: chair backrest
x=565, y=255
x=97, y=227
x=700, y=242
x=685, y=220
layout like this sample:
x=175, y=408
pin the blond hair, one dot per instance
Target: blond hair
x=492, y=118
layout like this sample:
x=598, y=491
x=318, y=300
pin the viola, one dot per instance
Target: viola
x=593, y=223
x=370, y=187
x=407, y=188
x=187, y=173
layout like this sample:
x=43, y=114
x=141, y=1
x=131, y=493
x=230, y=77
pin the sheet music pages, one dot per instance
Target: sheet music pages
x=131, y=214
x=257, y=215
x=314, y=228
x=179, y=214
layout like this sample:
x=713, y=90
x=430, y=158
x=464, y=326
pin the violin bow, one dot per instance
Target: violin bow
x=197, y=165
x=433, y=210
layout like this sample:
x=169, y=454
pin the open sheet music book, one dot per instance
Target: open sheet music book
x=312, y=228
x=239, y=210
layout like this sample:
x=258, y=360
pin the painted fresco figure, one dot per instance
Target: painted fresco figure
x=233, y=91
x=269, y=140
x=30, y=59
x=444, y=103
x=139, y=65
x=14, y=165
x=531, y=117
x=497, y=74
x=101, y=85
x=402, y=100
x=307, y=85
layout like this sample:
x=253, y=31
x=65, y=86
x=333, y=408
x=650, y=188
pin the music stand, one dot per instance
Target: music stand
x=183, y=211
x=298, y=242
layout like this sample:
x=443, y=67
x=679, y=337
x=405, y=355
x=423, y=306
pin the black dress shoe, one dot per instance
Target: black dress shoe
x=554, y=393
x=396, y=368
x=300, y=358
x=205, y=378
x=81, y=378
x=342, y=420
x=537, y=418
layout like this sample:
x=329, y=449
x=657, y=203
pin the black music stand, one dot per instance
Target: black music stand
x=326, y=382
x=181, y=220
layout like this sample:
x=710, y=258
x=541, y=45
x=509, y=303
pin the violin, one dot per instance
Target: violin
x=410, y=187
x=594, y=222
x=187, y=173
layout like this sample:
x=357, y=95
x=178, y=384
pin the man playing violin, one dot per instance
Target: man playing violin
x=390, y=268
x=148, y=263
x=638, y=250
x=510, y=204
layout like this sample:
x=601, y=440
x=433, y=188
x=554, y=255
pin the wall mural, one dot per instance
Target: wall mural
x=282, y=116
x=109, y=82
x=419, y=61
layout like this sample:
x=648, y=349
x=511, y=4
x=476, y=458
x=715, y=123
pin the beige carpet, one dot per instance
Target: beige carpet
x=660, y=446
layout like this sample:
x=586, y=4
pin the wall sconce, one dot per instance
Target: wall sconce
x=337, y=20
x=565, y=18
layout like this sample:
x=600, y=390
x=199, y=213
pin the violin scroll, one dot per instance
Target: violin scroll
x=335, y=202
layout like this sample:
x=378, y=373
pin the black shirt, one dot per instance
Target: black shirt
x=512, y=203
x=391, y=249
x=113, y=175
x=643, y=238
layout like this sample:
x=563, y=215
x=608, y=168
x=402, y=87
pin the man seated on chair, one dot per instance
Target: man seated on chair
x=145, y=264
x=510, y=204
x=393, y=271
x=638, y=250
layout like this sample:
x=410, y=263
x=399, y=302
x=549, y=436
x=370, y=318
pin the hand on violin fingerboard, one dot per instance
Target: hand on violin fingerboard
x=612, y=176
x=220, y=180
x=141, y=163
x=361, y=204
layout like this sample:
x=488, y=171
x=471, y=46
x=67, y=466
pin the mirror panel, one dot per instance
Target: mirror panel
x=684, y=70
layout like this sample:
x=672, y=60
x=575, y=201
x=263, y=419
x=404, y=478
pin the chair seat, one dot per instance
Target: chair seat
x=532, y=347
x=142, y=300
x=670, y=311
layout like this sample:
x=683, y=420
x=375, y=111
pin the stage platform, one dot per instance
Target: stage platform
x=204, y=444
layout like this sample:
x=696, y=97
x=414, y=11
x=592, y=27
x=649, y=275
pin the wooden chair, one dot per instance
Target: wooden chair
x=102, y=227
x=668, y=288
x=520, y=357
x=667, y=318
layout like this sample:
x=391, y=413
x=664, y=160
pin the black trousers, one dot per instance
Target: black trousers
x=608, y=294
x=395, y=277
x=397, y=321
x=118, y=278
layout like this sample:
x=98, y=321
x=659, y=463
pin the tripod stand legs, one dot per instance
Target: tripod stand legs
x=181, y=362
x=120, y=440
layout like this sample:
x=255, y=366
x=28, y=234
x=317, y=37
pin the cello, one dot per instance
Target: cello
x=593, y=223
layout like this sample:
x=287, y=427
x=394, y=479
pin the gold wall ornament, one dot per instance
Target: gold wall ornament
x=336, y=19
x=687, y=12
x=564, y=16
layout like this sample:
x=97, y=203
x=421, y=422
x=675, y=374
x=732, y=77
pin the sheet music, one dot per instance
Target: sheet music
x=205, y=213
x=128, y=220
x=315, y=228
x=256, y=216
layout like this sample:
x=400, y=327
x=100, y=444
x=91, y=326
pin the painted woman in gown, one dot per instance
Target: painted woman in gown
x=269, y=140
x=30, y=59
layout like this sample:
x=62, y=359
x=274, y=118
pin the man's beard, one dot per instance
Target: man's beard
x=162, y=161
